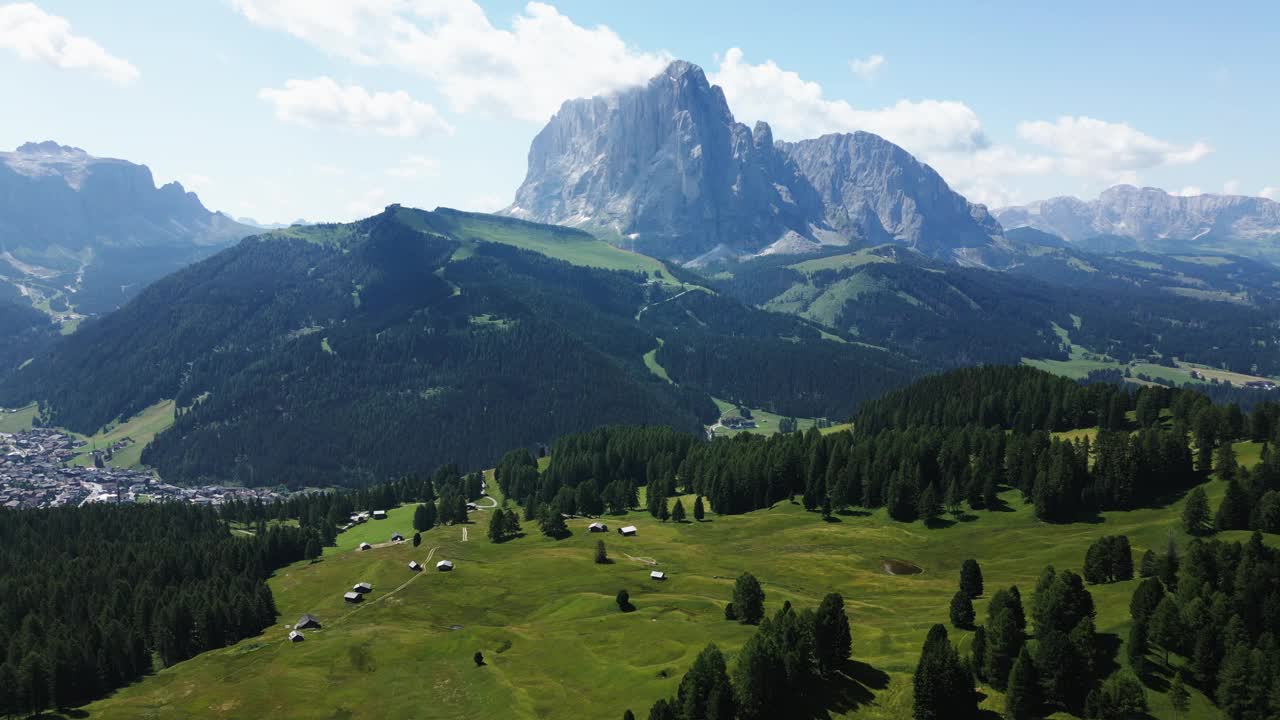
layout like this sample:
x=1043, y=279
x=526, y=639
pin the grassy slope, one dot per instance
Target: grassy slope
x=1082, y=362
x=20, y=419
x=142, y=427
x=556, y=646
x=575, y=248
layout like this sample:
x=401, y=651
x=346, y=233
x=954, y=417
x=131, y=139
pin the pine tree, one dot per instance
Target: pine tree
x=962, y=610
x=1121, y=559
x=313, y=549
x=1233, y=511
x=942, y=683
x=978, y=652
x=1224, y=462
x=552, y=523
x=1023, y=696
x=929, y=509
x=699, y=512
x=677, y=511
x=602, y=556
x=628, y=715
x=1006, y=632
x=748, y=599
x=705, y=690
x=1148, y=567
x=623, y=598
x=971, y=578
x=422, y=518
x=954, y=496
x=664, y=513
x=833, y=643
x=1179, y=698
x=1137, y=647
x=1166, y=627
x=498, y=526
x=1195, y=515
x=1145, y=599
x=1121, y=698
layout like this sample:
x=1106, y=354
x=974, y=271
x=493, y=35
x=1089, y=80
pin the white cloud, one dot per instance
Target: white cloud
x=323, y=102
x=328, y=170
x=867, y=68
x=1188, y=191
x=36, y=36
x=797, y=109
x=412, y=167
x=1271, y=193
x=371, y=202
x=526, y=71
x=1114, y=152
x=1231, y=187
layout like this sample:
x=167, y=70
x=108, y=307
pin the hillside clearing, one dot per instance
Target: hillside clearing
x=555, y=645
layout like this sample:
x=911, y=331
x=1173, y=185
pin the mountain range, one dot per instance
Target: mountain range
x=1149, y=219
x=665, y=169
x=344, y=353
x=81, y=234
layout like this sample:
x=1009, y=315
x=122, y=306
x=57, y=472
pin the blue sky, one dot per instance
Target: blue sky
x=279, y=109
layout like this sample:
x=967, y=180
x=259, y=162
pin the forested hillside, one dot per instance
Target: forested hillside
x=24, y=332
x=347, y=353
x=1211, y=310
x=119, y=591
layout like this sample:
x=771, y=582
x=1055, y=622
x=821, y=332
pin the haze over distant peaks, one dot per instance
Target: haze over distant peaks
x=95, y=230
x=667, y=170
x=1153, y=220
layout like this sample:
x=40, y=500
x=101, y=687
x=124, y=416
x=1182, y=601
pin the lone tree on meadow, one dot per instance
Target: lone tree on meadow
x=417, y=539
x=748, y=599
x=677, y=511
x=478, y=658
x=971, y=578
x=699, y=512
x=602, y=557
x=623, y=599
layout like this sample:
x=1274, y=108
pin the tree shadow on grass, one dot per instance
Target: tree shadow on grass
x=849, y=688
x=1107, y=648
x=831, y=519
x=847, y=512
x=965, y=517
x=938, y=523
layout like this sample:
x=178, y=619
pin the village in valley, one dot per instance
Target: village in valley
x=36, y=471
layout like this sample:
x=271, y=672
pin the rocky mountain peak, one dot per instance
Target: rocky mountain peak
x=1153, y=220
x=666, y=169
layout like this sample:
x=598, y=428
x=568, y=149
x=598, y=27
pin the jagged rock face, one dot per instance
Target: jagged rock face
x=54, y=195
x=875, y=191
x=1158, y=221
x=666, y=169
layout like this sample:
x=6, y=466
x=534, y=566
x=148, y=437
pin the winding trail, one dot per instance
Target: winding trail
x=362, y=605
x=464, y=535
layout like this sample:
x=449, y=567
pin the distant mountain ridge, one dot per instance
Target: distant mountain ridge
x=1125, y=217
x=87, y=232
x=665, y=169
